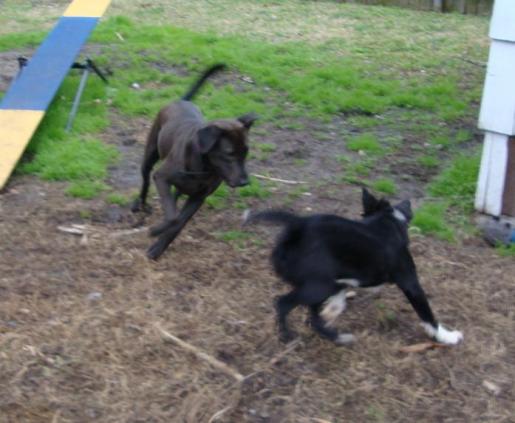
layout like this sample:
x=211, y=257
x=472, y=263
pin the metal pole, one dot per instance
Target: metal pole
x=76, y=101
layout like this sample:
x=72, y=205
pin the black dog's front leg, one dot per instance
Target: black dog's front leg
x=407, y=280
x=189, y=209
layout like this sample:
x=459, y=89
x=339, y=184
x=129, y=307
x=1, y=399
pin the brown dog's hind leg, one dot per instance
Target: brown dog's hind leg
x=150, y=158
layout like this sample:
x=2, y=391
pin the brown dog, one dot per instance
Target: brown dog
x=196, y=157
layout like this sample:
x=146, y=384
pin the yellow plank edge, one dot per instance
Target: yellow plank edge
x=16, y=129
x=87, y=8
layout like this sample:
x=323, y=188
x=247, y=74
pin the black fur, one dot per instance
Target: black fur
x=313, y=253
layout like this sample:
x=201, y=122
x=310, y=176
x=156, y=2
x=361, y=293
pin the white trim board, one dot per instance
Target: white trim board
x=492, y=174
x=498, y=105
x=502, y=25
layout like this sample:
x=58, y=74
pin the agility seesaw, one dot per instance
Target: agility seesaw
x=29, y=96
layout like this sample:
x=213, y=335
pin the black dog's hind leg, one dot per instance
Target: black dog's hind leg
x=190, y=208
x=320, y=326
x=283, y=305
x=406, y=279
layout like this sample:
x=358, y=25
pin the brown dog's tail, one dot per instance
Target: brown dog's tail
x=194, y=89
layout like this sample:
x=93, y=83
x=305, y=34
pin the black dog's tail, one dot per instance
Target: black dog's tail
x=274, y=216
x=194, y=89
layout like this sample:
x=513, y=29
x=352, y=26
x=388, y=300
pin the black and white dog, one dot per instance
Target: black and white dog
x=322, y=255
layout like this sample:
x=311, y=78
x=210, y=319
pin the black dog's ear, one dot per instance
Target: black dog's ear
x=405, y=208
x=370, y=203
x=207, y=138
x=248, y=119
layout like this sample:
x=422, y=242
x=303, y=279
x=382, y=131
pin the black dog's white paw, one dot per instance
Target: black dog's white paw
x=345, y=339
x=443, y=335
x=333, y=307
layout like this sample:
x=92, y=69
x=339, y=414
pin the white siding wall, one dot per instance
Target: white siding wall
x=497, y=115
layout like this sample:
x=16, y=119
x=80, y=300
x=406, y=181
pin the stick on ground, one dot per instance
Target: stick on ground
x=200, y=354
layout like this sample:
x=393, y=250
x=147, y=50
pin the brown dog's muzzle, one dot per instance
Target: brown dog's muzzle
x=240, y=182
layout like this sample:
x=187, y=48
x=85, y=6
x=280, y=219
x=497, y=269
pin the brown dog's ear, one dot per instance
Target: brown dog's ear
x=248, y=119
x=207, y=138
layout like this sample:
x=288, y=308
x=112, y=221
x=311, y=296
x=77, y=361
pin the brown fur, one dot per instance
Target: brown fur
x=197, y=156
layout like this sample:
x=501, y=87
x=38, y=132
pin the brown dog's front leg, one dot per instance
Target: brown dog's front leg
x=189, y=209
x=158, y=229
x=163, y=183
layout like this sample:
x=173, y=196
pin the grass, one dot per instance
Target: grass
x=239, y=197
x=86, y=189
x=428, y=161
x=21, y=40
x=506, y=251
x=255, y=189
x=430, y=219
x=367, y=143
x=457, y=183
x=119, y=199
x=385, y=185
x=453, y=191
x=338, y=86
x=237, y=238
x=265, y=147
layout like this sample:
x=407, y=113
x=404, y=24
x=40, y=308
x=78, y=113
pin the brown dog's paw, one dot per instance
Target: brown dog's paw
x=156, y=250
x=137, y=206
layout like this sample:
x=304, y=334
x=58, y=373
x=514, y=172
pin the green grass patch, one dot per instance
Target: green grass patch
x=219, y=198
x=255, y=189
x=70, y=159
x=506, y=250
x=21, y=40
x=385, y=185
x=119, y=199
x=231, y=236
x=430, y=219
x=86, y=189
x=265, y=147
x=347, y=83
x=428, y=161
x=457, y=183
x=365, y=142
x=441, y=141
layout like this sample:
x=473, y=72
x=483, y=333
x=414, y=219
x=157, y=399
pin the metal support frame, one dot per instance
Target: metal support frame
x=87, y=67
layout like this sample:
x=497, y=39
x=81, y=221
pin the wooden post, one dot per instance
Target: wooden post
x=495, y=193
x=438, y=5
x=508, y=204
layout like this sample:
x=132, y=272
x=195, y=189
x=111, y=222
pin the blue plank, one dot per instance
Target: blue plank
x=39, y=81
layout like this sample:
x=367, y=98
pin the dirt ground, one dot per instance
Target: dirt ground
x=80, y=313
